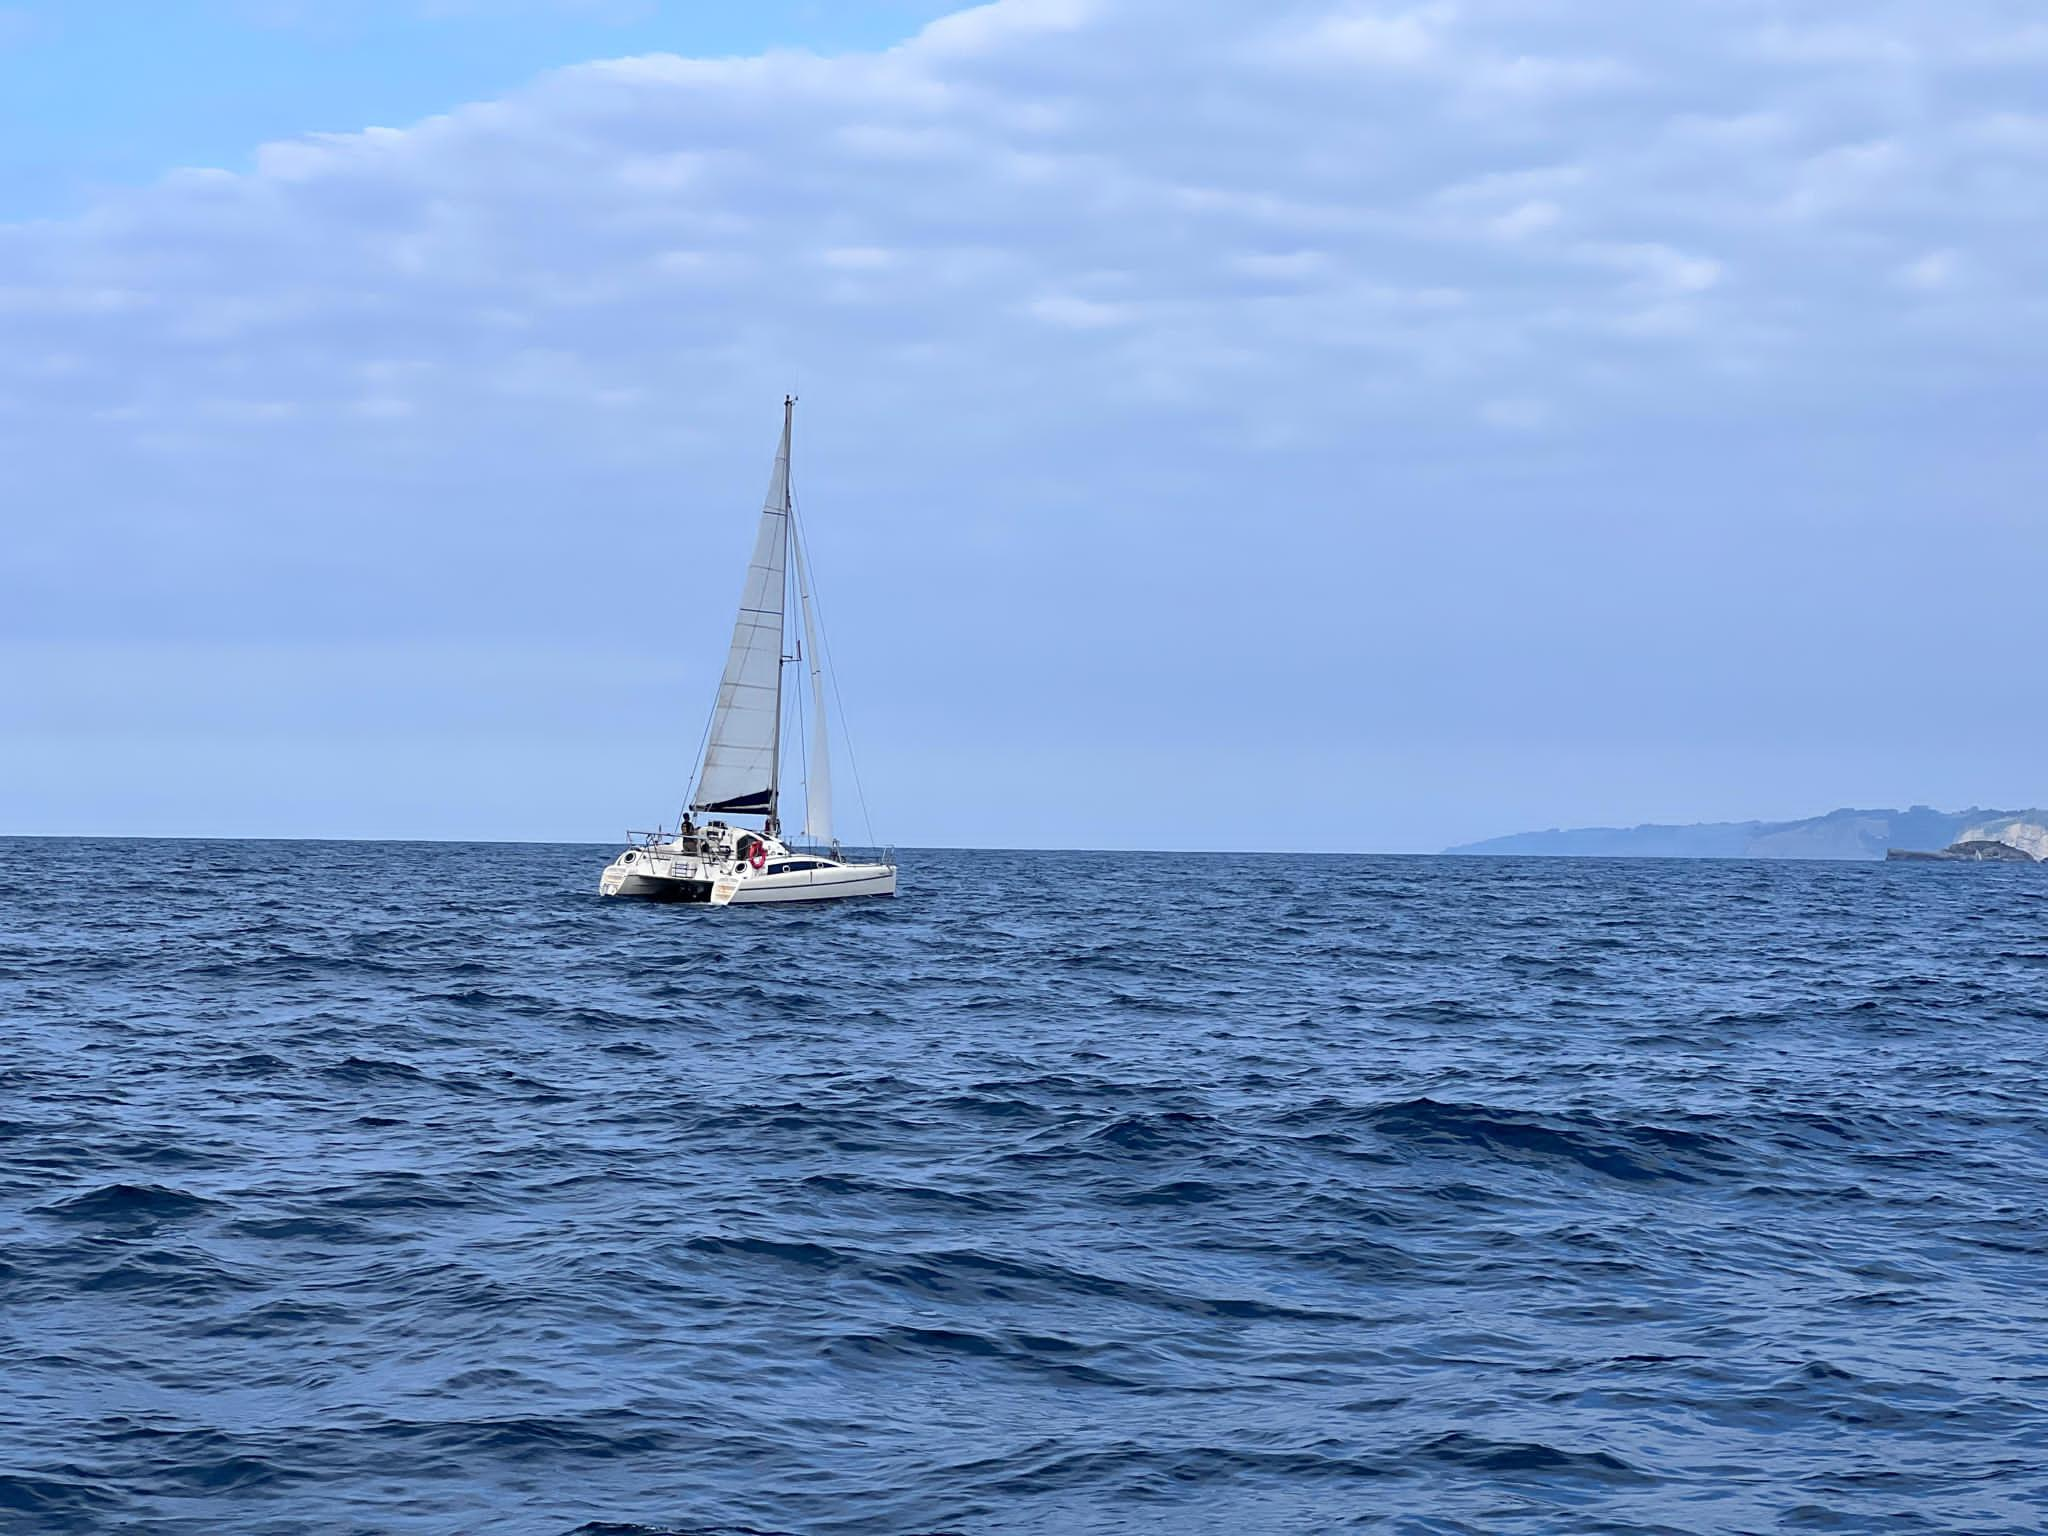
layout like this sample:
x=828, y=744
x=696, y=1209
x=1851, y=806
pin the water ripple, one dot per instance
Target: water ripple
x=406, y=1188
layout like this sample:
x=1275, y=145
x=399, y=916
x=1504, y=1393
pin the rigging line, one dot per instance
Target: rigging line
x=803, y=762
x=832, y=673
x=683, y=810
x=702, y=741
x=793, y=699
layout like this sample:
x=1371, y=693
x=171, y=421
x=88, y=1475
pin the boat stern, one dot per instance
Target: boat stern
x=639, y=872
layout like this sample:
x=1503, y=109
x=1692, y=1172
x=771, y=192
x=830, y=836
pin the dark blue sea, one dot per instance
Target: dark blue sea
x=355, y=1187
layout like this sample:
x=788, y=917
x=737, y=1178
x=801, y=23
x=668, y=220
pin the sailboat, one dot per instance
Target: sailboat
x=718, y=861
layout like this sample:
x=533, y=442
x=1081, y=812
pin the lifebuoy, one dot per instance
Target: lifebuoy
x=758, y=855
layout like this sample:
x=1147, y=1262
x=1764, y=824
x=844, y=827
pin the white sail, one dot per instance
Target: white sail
x=818, y=785
x=739, y=772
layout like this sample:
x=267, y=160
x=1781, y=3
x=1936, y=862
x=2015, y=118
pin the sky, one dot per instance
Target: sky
x=1298, y=425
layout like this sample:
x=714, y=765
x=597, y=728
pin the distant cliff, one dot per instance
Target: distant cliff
x=1843, y=834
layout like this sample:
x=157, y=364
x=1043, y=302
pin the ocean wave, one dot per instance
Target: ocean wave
x=1204, y=1196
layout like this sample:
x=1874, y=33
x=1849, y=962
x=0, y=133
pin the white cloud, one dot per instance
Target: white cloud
x=1526, y=219
x=1073, y=313
x=1660, y=266
x=857, y=258
x=1370, y=37
x=986, y=29
x=1281, y=266
x=1845, y=175
x=1844, y=43
x=1532, y=77
x=1052, y=198
x=1930, y=273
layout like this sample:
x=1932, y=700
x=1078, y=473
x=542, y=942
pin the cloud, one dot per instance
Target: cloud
x=985, y=30
x=1525, y=219
x=1930, y=273
x=316, y=15
x=1322, y=221
x=1557, y=160
x=1661, y=267
x=1071, y=312
x=1359, y=36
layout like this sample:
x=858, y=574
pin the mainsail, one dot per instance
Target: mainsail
x=818, y=778
x=739, y=772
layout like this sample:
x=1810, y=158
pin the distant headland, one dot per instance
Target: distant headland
x=1843, y=834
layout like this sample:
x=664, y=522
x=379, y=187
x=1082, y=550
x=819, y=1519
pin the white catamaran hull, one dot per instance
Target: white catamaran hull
x=848, y=880
x=720, y=864
x=651, y=876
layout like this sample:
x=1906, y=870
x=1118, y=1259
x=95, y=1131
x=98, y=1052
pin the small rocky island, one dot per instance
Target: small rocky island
x=2013, y=841
x=1975, y=851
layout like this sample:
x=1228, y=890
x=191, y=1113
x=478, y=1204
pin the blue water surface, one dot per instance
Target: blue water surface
x=412, y=1188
